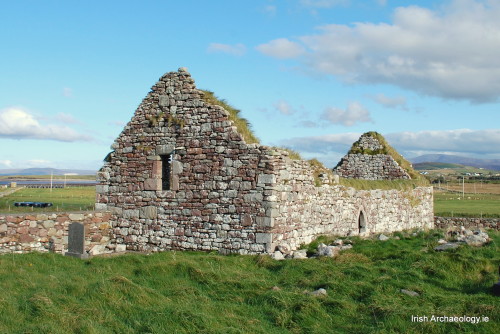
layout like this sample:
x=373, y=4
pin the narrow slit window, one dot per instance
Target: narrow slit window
x=166, y=171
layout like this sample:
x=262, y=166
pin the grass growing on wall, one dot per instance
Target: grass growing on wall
x=186, y=292
x=242, y=124
x=383, y=184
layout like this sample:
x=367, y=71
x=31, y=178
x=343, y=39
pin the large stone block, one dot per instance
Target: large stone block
x=152, y=184
x=148, y=212
x=101, y=189
x=164, y=149
x=131, y=213
x=266, y=178
x=76, y=216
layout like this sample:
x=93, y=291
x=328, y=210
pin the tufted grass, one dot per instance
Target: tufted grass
x=242, y=124
x=383, y=184
x=188, y=292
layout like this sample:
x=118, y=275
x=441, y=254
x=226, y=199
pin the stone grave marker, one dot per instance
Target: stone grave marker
x=76, y=241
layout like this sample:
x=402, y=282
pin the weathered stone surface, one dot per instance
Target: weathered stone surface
x=76, y=216
x=447, y=246
x=410, y=293
x=383, y=237
x=477, y=240
x=300, y=254
x=318, y=293
x=148, y=212
x=330, y=251
x=76, y=241
x=277, y=255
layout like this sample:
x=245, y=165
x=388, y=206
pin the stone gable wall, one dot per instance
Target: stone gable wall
x=371, y=164
x=219, y=192
x=370, y=167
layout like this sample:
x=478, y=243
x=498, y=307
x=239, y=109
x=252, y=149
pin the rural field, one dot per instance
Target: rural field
x=187, y=292
x=63, y=199
x=479, y=200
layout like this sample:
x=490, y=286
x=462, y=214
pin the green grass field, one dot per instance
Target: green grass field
x=185, y=292
x=63, y=199
x=472, y=205
x=82, y=198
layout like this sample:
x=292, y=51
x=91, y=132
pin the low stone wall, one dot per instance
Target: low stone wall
x=49, y=232
x=468, y=223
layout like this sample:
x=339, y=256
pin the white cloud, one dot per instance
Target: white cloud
x=33, y=163
x=281, y=48
x=353, y=114
x=391, y=102
x=67, y=92
x=451, y=52
x=235, y=50
x=17, y=123
x=284, y=107
x=270, y=10
x=462, y=141
x=67, y=118
x=6, y=163
x=465, y=142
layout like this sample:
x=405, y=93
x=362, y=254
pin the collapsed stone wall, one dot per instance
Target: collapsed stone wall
x=372, y=164
x=49, y=232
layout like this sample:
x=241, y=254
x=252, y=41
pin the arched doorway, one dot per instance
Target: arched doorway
x=361, y=222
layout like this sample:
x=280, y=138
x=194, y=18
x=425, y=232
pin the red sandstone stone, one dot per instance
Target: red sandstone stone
x=24, y=238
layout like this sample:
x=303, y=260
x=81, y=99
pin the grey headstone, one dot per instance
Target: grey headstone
x=76, y=241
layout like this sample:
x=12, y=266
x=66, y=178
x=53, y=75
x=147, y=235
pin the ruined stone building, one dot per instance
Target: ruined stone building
x=181, y=176
x=369, y=159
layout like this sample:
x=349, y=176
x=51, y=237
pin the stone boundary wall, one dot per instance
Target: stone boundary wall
x=23, y=233
x=468, y=223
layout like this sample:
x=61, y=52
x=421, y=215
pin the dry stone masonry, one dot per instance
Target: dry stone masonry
x=49, y=232
x=182, y=177
x=368, y=159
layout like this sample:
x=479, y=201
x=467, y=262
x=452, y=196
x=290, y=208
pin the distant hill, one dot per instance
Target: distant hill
x=45, y=171
x=436, y=165
x=493, y=164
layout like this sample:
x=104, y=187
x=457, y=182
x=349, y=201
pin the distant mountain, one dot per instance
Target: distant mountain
x=45, y=171
x=436, y=165
x=493, y=164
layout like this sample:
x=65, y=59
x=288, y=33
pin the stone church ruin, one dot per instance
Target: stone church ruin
x=183, y=176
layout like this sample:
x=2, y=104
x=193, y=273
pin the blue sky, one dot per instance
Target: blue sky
x=312, y=75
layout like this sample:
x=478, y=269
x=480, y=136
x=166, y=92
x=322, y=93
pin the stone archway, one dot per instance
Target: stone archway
x=361, y=222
